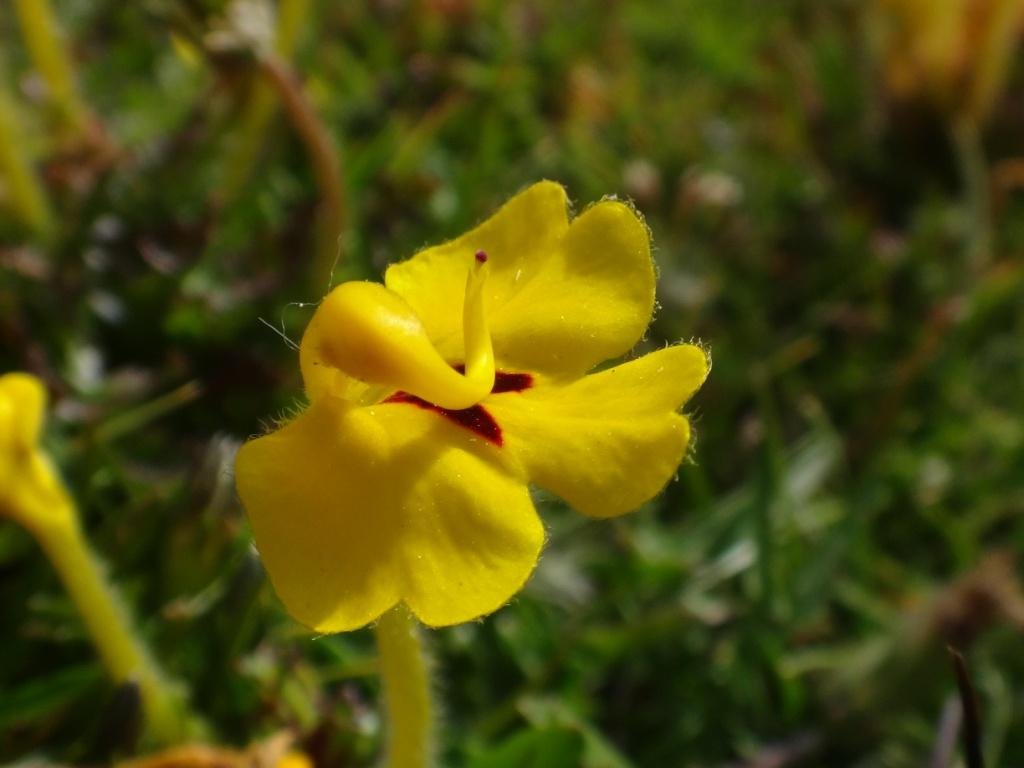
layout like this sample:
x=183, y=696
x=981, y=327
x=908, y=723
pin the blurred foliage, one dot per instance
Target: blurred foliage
x=860, y=442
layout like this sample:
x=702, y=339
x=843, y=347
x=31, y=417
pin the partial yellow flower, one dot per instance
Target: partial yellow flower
x=437, y=398
x=275, y=751
x=30, y=491
x=955, y=52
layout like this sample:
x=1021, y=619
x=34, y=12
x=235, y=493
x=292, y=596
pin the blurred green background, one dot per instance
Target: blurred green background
x=832, y=214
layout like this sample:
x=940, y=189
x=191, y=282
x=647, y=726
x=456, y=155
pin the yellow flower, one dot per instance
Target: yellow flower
x=436, y=398
x=30, y=491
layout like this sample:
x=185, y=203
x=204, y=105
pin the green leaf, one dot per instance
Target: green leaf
x=540, y=748
x=44, y=696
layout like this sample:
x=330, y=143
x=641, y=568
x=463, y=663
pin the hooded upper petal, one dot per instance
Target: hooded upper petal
x=562, y=297
x=610, y=441
x=355, y=509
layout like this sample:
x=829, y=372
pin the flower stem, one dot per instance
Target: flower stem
x=323, y=155
x=49, y=54
x=24, y=192
x=123, y=654
x=261, y=105
x=405, y=673
x=974, y=169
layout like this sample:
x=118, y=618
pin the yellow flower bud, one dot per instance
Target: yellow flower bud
x=30, y=491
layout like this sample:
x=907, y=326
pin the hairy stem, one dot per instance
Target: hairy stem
x=405, y=675
x=123, y=654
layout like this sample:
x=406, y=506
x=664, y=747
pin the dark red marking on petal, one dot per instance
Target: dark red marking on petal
x=481, y=256
x=505, y=381
x=476, y=419
x=511, y=382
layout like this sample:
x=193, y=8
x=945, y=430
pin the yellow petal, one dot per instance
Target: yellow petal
x=562, y=297
x=523, y=232
x=355, y=509
x=610, y=441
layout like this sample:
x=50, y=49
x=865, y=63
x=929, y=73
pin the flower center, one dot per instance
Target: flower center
x=373, y=335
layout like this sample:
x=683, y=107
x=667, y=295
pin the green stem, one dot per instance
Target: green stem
x=121, y=651
x=24, y=193
x=767, y=497
x=974, y=169
x=323, y=156
x=405, y=675
x=261, y=106
x=49, y=54
x=135, y=419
